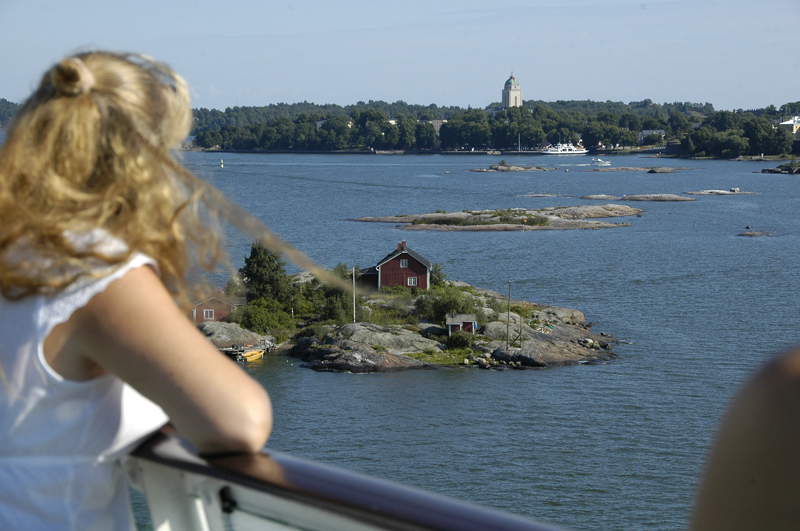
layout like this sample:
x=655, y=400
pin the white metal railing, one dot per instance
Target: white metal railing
x=274, y=491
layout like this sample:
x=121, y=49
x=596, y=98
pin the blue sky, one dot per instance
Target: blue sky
x=731, y=53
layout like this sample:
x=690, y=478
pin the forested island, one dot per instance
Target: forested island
x=688, y=129
x=694, y=130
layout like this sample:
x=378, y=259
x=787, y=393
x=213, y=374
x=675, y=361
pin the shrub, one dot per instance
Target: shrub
x=263, y=316
x=438, y=302
x=338, y=308
x=498, y=305
x=397, y=290
x=459, y=340
x=525, y=309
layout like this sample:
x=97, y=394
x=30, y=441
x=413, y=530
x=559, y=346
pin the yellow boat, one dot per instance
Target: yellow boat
x=242, y=354
x=253, y=355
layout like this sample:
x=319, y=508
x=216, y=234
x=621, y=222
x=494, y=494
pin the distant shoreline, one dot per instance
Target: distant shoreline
x=648, y=153
x=414, y=152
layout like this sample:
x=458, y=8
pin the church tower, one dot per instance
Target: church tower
x=512, y=93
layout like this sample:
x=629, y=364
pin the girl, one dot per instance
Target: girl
x=99, y=227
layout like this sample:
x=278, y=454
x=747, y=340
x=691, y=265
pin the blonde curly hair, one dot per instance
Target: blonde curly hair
x=92, y=149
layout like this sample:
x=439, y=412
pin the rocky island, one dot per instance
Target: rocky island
x=539, y=336
x=551, y=218
x=732, y=191
x=513, y=168
x=789, y=168
x=397, y=325
x=516, y=168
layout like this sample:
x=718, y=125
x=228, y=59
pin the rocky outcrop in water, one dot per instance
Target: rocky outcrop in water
x=226, y=335
x=343, y=355
x=547, y=336
x=512, y=168
x=656, y=197
x=557, y=218
x=783, y=169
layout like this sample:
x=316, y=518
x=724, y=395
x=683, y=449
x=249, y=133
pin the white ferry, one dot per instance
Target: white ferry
x=563, y=149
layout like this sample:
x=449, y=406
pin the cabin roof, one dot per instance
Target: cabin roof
x=458, y=318
x=231, y=301
x=403, y=249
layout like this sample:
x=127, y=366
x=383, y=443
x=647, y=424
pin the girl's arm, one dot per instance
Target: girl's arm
x=752, y=479
x=134, y=330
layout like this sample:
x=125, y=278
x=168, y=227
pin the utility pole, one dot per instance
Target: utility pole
x=508, y=318
x=354, y=294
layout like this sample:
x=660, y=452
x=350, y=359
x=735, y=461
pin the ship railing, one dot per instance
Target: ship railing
x=274, y=491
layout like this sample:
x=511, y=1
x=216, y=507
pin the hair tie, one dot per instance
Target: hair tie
x=72, y=77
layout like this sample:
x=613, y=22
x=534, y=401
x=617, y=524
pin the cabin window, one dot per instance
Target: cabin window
x=208, y=314
x=412, y=281
x=403, y=263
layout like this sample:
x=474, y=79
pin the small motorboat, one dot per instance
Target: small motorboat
x=246, y=353
x=600, y=162
x=253, y=355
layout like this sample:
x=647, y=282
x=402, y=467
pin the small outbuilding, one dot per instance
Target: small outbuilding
x=215, y=308
x=401, y=267
x=461, y=321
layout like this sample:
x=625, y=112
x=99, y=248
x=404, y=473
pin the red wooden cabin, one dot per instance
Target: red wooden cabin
x=401, y=267
x=215, y=308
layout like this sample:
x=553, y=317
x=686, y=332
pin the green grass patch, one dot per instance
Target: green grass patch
x=447, y=358
x=525, y=309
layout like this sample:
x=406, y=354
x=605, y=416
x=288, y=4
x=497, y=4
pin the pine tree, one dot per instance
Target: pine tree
x=264, y=274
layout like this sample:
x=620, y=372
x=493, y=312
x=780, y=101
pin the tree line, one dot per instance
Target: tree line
x=701, y=130
x=729, y=135
x=7, y=112
x=205, y=119
x=243, y=116
x=719, y=133
x=359, y=129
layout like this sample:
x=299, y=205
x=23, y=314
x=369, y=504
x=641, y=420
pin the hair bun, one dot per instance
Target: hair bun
x=72, y=77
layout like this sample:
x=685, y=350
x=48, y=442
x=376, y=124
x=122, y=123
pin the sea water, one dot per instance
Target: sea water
x=613, y=446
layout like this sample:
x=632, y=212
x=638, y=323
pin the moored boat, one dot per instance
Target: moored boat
x=253, y=355
x=244, y=353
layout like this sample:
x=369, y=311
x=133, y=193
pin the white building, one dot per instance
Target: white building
x=792, y=125
x=512, y=93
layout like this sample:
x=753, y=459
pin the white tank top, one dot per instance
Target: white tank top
x=60, y=439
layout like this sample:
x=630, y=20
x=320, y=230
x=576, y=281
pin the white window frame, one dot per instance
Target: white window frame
x=403, y=262
x=208, y=315
x=412, y=281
